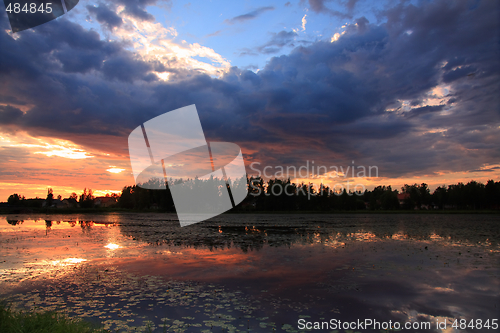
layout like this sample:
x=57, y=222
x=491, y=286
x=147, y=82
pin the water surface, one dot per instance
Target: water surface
x=253, y=273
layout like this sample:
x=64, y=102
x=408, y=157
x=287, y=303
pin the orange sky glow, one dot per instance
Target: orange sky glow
x=66, y=167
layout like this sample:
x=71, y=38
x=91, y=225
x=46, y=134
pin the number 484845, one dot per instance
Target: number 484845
x=32, y=8
x=475, y=324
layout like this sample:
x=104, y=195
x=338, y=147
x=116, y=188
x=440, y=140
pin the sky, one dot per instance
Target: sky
x=410, y=87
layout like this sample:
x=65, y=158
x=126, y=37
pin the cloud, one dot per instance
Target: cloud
x=318, y=6
x=105, y=16
x=327, y=102
x=156, y=43
x=425, y=109
x=137, y=8
x=304, y=21
x=9, y=114
x=125, y=68
x=458, y=73
x=249, y=16
x=486, y=170
x=213, y=34
x=85, y=60
x=247, y=51
x=277, y=41
x=350, y=4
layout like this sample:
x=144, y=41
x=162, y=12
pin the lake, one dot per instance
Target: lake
x=257, y=272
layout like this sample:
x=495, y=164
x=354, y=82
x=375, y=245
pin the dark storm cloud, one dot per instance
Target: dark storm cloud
x=9, y=114
x=249, y=16
x=458, y=73
x=105, y=16
x=423, y=110
x=125, y=68
x=327, y=101
x=63, y=45
x=11, y=100
x=82, y=61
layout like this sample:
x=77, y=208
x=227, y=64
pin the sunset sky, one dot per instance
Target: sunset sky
x=411, y=87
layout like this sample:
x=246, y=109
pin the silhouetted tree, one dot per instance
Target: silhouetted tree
x=15, y=199
x=50, y=197
x=389, y=199
x=440, y=197
x=474, y=193
x=87, y=198
x=492, y=194
x=419, y=195
x=456, y=193
x=127, y=198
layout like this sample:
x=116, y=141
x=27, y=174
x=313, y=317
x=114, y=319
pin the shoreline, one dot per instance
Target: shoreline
x=30, y=210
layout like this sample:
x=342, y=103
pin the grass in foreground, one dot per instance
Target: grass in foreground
x=41, y=322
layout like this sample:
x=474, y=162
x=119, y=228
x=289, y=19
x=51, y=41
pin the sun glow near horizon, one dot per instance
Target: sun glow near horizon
x=114, y=169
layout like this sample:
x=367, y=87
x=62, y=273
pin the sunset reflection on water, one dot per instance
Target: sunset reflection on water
x=252, y=267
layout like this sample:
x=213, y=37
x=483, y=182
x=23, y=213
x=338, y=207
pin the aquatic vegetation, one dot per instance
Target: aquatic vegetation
x=42, y=321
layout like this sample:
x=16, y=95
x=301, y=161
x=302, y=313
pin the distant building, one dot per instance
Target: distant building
x=104, y=201
x=70, y=202
x=56, y=203
x=402, y=197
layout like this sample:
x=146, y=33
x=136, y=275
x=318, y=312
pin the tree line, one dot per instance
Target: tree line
x=284, y=195
x=84, y=200
x=471, y=196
